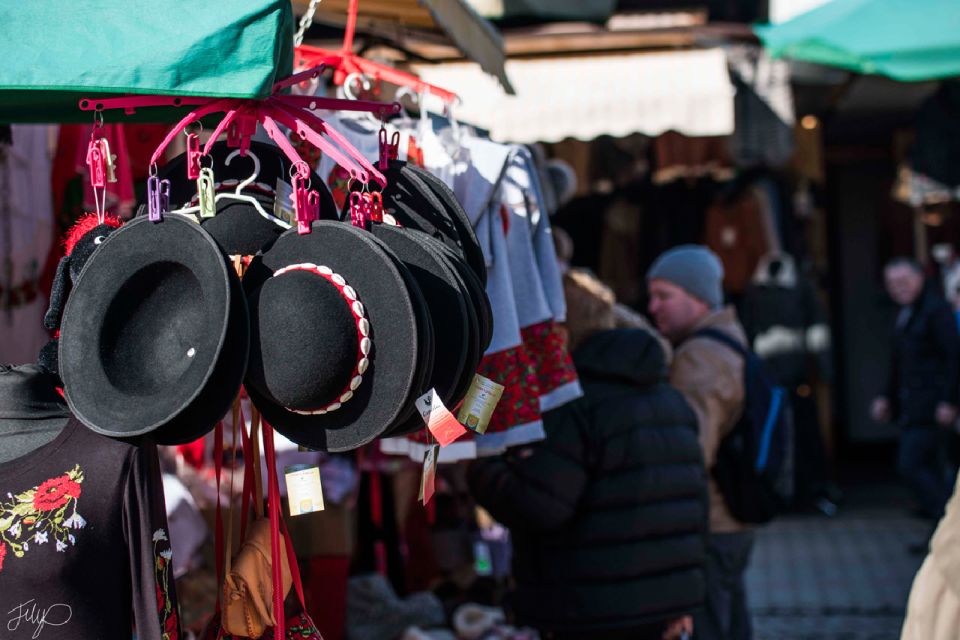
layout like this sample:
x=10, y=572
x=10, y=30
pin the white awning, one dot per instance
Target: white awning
x=587, y=96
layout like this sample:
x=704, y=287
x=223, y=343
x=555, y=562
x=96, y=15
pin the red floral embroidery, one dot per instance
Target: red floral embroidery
x=339, y=183
x=55, y=493
x=554, y=366
x=44, y=515
x=516, y=370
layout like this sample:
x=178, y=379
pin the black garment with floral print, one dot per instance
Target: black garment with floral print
x=84, y=549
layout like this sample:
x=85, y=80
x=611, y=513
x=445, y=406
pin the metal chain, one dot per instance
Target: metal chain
x=305, y=21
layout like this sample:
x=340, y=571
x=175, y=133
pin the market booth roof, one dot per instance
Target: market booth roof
x=453, y=21
x=905, y=40
x=587, y=96
x=68, y=50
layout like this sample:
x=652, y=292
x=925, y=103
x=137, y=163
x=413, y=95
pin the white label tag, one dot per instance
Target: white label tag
x=283, y=207
x=304, y=493
x=441, y=423
x=479, y=403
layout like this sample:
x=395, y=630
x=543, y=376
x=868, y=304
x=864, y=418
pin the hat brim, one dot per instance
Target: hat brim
x=436, y=280
x=469, y=245
x=381, y=287
x=152, y=334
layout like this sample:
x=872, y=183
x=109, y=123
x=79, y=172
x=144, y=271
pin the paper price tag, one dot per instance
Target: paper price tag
x=304, y=493
x=428, y=480
x=283, y=203
x=441, y=423
x=479, y=403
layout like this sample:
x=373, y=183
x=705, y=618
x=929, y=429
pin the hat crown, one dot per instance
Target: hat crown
x=308, y=340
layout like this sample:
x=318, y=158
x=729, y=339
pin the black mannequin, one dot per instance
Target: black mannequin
x=32, y=413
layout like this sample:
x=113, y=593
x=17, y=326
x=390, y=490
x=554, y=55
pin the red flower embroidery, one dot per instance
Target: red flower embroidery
x=54, y=493
x=3, y=553
x=161, y=600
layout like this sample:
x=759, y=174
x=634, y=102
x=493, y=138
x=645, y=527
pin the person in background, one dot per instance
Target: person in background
x=608, y=514
x=921, y=395
x=686, y=296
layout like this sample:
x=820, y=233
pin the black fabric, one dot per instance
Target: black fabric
x=375, y=274
x=726, y=615
x=85, y=548
x=31, y=411
x=608, y=514
x=478, y=295
x=68, y=270
x=925, y=361
x=765, y=306
x=155, y=335
x=936, y=149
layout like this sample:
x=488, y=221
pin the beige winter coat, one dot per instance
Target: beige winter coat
x=933, y=611
x=710, y=376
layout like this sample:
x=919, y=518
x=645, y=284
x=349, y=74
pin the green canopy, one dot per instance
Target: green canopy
x=907, y=40
x=55, y=52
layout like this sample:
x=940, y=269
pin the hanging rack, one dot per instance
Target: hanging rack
x=345, y=62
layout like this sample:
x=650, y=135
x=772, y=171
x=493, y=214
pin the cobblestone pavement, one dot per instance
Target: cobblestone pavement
x=841, y=578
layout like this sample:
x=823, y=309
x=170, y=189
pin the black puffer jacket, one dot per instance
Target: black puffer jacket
x=609, y=513
x=925, y=362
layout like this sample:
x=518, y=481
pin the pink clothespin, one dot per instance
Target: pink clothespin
x=304, y=200
x=96, y=164
x=193, y=156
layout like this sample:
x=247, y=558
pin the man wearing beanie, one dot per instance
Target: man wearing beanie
x=686, y=296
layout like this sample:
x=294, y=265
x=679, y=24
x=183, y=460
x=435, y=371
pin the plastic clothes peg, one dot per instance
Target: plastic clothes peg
x=206, y=193
x=193, y=156
x=96, y=164
x=110, y=160
x=158, y=198
x=302, y=203
x=375, y=206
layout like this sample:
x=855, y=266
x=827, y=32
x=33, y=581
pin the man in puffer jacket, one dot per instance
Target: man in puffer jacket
x=608, y=514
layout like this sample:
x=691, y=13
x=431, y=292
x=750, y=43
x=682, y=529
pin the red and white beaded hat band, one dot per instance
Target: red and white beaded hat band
x=364, y=342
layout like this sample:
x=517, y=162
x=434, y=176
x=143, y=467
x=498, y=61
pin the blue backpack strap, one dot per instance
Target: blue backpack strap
x=724, y=338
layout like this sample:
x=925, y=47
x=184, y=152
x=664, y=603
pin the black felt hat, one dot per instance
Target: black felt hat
x=335, y=336
x=155, y=334
x=414, y=204
x=469, y=245
x=436, y=279
x=263, y=176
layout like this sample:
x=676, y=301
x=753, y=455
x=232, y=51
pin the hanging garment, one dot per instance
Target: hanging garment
x=785, y=322
x=620, y=251
x=84, y=547
x=27, y=242
x=678, y=156
x=737, y=230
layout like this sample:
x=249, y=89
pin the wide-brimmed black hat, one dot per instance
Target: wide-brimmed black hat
x=445, y=304
x=469, y=245
x=244, y=226
x=155, y=334
x=335, y=336
x=411, y=202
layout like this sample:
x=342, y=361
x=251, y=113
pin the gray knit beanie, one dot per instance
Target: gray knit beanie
x=693, y=268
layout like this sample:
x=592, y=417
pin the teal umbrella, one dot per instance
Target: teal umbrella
x=907, y=40
x=56, y=52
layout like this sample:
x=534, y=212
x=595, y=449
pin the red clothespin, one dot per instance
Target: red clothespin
x=96, y=164
x=357, y=217
x=233, y=135
x=247, y=129
x=394, y=147
x=193, y=156
x=384, y=149
x=375, y=206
